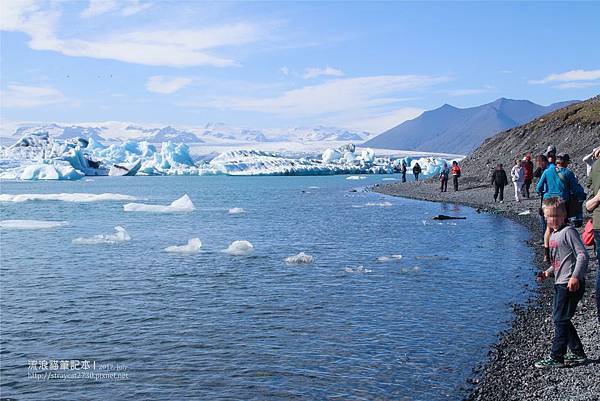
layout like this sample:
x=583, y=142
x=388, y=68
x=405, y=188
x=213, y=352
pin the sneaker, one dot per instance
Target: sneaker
x=549, y=363
x=572, y=359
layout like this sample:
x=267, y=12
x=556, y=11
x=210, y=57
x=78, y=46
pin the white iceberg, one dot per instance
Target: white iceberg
x=66, y=197
x=193, y=246
x=31, y=224
x=301, y=258
x=181, y=205
x=55, y=171
x=120, y=235
x=240, y=248
x=236, y=210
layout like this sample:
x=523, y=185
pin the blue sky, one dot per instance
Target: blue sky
x=359, y=65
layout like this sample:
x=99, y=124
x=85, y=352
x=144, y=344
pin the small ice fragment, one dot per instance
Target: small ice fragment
x=397, y=256
x=193, y=246
x=313, y=187
x=183, y=204
x=525, y=213
x=31, y=224
x=424, y=222
x=358, y=269
x=300, y=258
x=236, y=210
x=384, y=259
x=382, y=204
x=240, y=248
x=356, y=177
x=121, y=235
x=389, y=179
x=66, y=197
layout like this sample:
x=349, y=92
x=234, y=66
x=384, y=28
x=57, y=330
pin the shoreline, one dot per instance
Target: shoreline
x=508, y=373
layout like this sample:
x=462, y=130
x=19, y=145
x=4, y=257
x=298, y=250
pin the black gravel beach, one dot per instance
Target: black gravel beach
x=509, y=374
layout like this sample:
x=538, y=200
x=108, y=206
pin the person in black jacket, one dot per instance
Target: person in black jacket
x=499, y=181
x=403, y=171
x=417, y=171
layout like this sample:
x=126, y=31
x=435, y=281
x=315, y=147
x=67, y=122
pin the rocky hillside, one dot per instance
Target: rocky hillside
x=574, y=129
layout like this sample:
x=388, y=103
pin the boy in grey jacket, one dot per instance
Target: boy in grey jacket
x=569, y=261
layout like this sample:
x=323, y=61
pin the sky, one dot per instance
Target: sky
x=357, y=65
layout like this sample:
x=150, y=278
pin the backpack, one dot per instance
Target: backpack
x=588, y=234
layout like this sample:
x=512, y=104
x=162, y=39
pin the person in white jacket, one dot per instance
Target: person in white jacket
x=517, y=174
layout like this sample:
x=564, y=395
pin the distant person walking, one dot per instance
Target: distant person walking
x=455, y=174
x=593, y=206
x=403, y=171
x=499, y=181
x=528, y=177
x=416, y=171
x=517, y=175
x=444, y=178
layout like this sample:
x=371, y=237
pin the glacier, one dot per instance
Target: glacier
x=38, y=156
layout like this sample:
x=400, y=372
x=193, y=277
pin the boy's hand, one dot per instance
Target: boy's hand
x=573, y=284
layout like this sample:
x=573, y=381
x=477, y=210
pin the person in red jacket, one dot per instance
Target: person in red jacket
x=455, y=171
x=528, y=167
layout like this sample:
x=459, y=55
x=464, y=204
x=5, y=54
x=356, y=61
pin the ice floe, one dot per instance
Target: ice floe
x=358, y=269
x=240, y=248
x=382, y=204
x=181, y=205
x=31, y=224
x=392, y=258
x=120, y=235
x=66, y=197
x=301, y=258
x=236, y=210
x=356, y=177
x=193, y=246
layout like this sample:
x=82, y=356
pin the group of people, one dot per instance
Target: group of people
x=445, y=174
x=416, y=170
x=562, y=198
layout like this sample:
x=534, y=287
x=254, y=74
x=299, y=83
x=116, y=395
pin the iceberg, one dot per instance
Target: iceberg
x=240, y=248
x=181, y=205
x=54, y=171
x=301, y=258
x=120, y=235
x=66, y=197
x=193, y=246
x=31, y=224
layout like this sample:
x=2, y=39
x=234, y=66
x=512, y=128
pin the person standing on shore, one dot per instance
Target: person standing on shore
x=542, y=164
x=569, y=262
x=517, y=175
x=403, y=171
x=499, y=181
x=444, y=178
x=528, y=178
x=455, y=174
x=593, y=206
x=416, y=171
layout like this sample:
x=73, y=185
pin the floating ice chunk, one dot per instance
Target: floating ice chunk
x=356, y=177
x=236, y=210
x=31, y=224
x=121, y=235
x=66, y=197
x=393, y=258
x=193, y=246
x=183, y=204
x=55, y=171
x=313, y=187
x=330, y=155
x=359, y=269
x=240, y=248
x=414, y=269
x=389, y=179
x=301, y=258
x=525, y=213
x=382, y=204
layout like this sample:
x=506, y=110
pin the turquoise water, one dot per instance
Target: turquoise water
x=211, y=326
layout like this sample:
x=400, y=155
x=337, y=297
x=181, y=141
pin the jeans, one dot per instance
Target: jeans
x=597, y=241
x=563, y=310
x=498, y=189
x=455, y=181
x=404, y=176
x=444, y=184
x=526, y=186
x=416, y=176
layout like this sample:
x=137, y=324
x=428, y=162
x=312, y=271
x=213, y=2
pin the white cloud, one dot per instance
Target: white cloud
x=127, y=8
x=335, y=96
x=378, y=122
x=166, y=47
x=285, y=71
x=577, y=85
x=159, y=84
x=22, y=96
x=316, y=72
x=570, y=76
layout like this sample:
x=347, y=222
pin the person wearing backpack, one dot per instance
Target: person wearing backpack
x=455, y=174
x=499, y=181
x=593, y=206
x=517, y=176
x=416, y=171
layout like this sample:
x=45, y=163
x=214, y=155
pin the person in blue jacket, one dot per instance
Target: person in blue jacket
x=551, y=185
